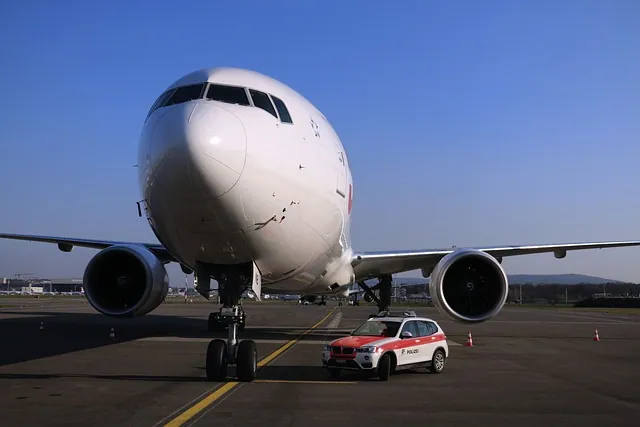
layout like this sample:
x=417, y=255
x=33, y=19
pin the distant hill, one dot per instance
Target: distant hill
x=562, y=279
x=523, y=279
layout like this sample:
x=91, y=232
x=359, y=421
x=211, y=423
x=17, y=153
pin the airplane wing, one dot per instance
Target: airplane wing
x=368, y=265
x=67, y=243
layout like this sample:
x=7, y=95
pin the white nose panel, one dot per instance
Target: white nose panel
x=197, y=151
x=218, y=144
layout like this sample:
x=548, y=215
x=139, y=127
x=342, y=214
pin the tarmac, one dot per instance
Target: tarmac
x=528, y=367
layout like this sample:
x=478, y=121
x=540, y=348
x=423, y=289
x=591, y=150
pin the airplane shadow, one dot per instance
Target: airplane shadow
x=22, y=339
x=151, y=378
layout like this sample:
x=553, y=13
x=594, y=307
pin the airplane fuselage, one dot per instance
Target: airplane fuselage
x=228, y=178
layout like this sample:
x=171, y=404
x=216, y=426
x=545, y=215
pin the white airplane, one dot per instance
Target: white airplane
x=246, y=182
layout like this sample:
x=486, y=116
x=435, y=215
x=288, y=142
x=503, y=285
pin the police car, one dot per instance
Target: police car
x=387, y=343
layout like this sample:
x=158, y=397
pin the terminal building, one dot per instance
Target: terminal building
x=65, y=285
x=15, y=285
x=47, y=285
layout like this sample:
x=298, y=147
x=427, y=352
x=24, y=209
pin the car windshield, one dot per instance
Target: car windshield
x=378, y=328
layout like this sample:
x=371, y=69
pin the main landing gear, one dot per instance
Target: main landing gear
x=383, y=300
x=220, y=353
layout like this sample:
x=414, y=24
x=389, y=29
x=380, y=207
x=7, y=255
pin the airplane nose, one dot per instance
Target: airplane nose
x=200, y=152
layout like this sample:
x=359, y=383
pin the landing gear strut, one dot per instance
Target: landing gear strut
x=385, y=293
x=220, y=353
x=384, y=299
x=218, y=322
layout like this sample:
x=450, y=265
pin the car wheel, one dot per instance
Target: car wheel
x=437, y=361
x=384, y=368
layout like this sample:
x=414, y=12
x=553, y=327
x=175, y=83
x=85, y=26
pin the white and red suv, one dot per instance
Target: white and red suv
x=386, y=343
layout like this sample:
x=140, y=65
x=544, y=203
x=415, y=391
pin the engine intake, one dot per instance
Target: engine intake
x=125, y=281
x=469, y=285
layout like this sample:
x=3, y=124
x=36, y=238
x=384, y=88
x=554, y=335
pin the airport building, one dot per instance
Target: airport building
x=15, y=285
x=46, y=285
x=65, y=285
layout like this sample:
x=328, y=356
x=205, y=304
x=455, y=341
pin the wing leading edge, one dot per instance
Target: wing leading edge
x=368, y=265
x=67, y=243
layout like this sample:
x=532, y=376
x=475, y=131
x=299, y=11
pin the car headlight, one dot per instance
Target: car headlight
x=327, y=347
x=368, y=349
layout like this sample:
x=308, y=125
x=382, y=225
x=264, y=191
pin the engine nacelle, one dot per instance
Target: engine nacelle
x=125, y=281
x=469, y=285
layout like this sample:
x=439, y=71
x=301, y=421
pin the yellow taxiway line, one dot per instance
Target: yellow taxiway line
x=227, y=387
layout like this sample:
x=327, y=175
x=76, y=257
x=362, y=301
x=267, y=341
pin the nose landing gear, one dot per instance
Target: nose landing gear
x=221, y=354
x=233, y=281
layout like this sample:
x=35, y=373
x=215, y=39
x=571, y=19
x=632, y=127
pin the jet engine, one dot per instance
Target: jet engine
x=469, y=285
x=125, y=281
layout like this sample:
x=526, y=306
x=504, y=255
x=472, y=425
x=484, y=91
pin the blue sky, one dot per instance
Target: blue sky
x=466, y=123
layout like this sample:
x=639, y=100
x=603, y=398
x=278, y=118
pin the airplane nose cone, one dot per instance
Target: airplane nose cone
x=200, y=152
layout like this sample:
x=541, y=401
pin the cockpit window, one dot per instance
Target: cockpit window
x=282, y=110
x=161, y=100
x=228, y=94
x=186, y=93
x=261, y=100
x=222, y=93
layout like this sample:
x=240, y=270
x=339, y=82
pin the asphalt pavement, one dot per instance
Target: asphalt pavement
x=59, y=366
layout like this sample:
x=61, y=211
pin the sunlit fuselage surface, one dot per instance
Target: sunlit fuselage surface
x=235, y=166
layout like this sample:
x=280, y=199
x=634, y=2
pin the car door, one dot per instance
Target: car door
x=408, y=348
x=428, y=340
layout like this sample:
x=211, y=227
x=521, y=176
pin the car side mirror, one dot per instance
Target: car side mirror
x=406, y=334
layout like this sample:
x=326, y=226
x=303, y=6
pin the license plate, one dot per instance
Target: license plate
x=341, y=362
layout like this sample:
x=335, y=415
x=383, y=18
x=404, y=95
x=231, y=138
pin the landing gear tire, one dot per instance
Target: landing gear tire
x=437, y=361
x=216, y=360
x=384, y=368
x=247, y=361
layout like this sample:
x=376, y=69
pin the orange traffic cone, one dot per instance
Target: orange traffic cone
x=469, y=342
x=596, y=337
